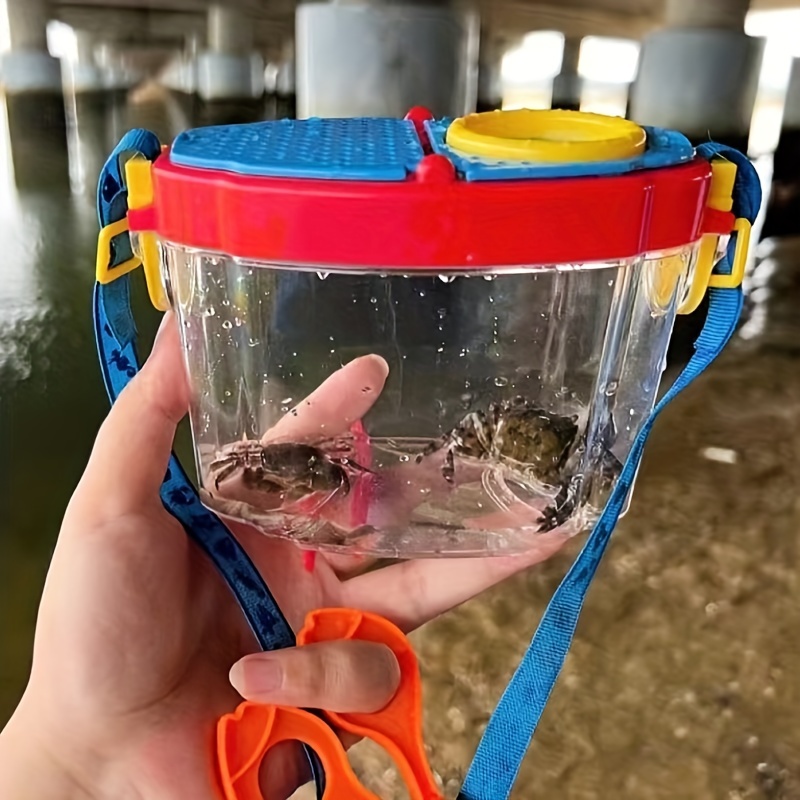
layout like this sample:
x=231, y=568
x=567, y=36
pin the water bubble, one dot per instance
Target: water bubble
x=491, y=299
x=500, y=381
x=227, y=393
x=294, y=354
x=226, y=303
x=333, y=351
x=252, y=342
x=466, y=399
x=440, y=350
x=611, y=388
x=441, y=312
x=611, y=283
x=331, y=338
x=373, y=300
x=210, y=311
x=322, y=275
x=425, y=490
x=421, y=293
x=489, y=277
x=405, y=458
x=227, y=324
x=447, y=278
x=286, y=401
x=632, y=412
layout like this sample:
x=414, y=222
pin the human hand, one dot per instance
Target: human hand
x=137, y=633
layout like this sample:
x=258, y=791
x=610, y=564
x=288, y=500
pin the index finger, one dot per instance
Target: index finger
x=342, y=399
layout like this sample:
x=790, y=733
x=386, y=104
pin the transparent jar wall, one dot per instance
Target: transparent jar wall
x=583, y=347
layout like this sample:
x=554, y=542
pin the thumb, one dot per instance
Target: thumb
x=342, y=676
x=133, y=446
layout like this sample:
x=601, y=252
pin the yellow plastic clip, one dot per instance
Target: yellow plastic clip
x=139, y=180
x=104, y=272
x=720, y=198
x=743, y=230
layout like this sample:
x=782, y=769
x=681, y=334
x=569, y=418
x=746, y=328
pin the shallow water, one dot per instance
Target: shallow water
x=389, y=497
x=683, y=682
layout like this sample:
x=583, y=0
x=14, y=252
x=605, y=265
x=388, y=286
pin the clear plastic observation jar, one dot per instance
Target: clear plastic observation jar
x=423, y=337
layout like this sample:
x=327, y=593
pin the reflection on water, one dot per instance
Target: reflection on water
x=683, y=681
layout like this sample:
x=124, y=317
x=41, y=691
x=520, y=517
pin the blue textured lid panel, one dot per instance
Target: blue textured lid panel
x=664, y=149
x=366, y=149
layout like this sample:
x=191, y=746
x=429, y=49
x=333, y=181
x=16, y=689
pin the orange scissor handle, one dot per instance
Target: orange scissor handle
x=244, y=737
x=398, y=727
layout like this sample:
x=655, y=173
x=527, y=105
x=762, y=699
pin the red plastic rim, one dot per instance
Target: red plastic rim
x=431, y=221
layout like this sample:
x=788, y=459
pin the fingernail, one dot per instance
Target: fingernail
x=257, y=677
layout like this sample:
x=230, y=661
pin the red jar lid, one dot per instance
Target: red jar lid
x=426, y=217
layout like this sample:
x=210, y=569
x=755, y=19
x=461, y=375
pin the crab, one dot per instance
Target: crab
x=533, y=442
x=298, y=468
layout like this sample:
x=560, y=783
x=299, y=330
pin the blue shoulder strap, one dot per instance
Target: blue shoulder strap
x=115, y=334
x=513, y=723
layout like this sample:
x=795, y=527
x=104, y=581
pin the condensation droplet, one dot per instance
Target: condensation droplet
x=500, y=381
x=227, y=393
x=489, y=277
x=440, y=349
x=210, y=311
x=286, y=401
x=227, y=324
x=322, y=275
x=405, y=458
x=446, y=278
x=373, y=300
x=611, y=388
x=441, y=312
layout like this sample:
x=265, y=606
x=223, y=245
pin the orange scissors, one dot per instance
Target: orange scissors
x=245, y=736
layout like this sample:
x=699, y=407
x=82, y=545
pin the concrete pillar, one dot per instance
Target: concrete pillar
x=82, y=73
x=27, y=66
x=568, y=83
x=493, y=48
x=782, y=216
x=700, y=73
x=373, y=59
x=229, y=69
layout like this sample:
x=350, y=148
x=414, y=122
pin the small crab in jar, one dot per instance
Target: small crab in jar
x=294, y=468
x=534, y=443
